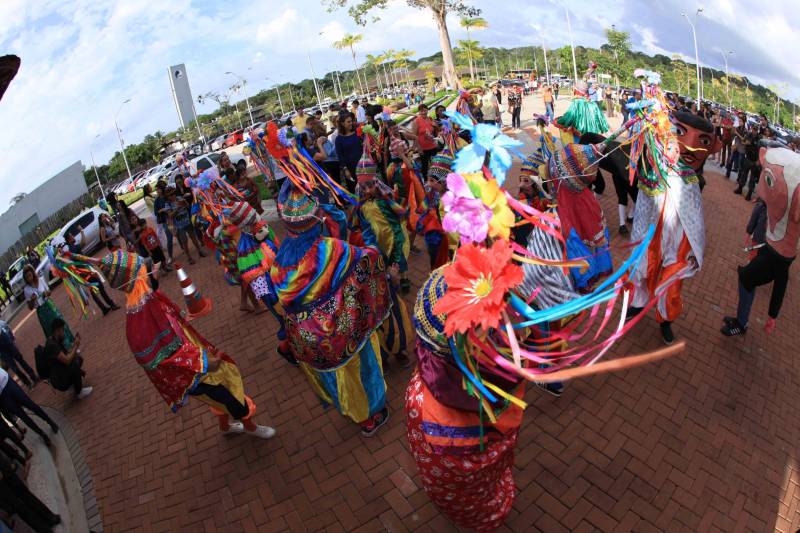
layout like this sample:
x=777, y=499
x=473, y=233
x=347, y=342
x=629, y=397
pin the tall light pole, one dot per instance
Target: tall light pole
x=727, y=80
x=244, y=88
x=278, y=92
x=572, y=46
x=119, y=136
x=696, y=52
x=94, y=166
x=314, y=77
x=546, y=67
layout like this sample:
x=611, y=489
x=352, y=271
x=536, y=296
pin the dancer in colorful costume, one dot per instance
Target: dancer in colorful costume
x=178, y=361
x=430, y=221
x=382, y=223
x=779, y=188
x=669, y=199
x=482, y=329
x=583, y=115
x=569, y=171
x=335, y=297
x=246, y=243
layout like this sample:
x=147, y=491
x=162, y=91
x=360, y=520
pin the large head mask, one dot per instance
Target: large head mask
x=778, y=187
x=696, y=138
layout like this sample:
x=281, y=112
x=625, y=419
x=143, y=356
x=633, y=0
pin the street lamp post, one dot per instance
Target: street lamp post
x=727, y=80
x=244, y=88
x=314, y=77
x=546, y=66
x=572, y=46
x=496, y=71
x=94, y=166
x=119, y=136
x=696, y=52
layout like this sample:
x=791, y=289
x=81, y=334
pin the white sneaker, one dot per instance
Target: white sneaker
x=263, y=432
x=234, y=428
x=86, y=391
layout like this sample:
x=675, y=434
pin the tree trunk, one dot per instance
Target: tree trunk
x=355, y=65
x=449, y=68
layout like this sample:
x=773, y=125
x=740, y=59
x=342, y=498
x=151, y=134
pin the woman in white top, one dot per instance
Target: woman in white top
x=37, y=294
x=108, y=232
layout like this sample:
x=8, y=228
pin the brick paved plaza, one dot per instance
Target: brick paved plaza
x=703, y=441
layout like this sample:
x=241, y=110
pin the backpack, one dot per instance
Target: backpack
x=42, y=364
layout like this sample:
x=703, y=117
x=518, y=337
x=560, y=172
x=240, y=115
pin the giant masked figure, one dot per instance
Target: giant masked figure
x=675, y=207
x=778, y=188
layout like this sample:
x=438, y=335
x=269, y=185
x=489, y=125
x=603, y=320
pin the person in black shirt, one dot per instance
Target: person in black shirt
x=6, y=288
x=748, y=166
x=160, y=210
x=64, y=367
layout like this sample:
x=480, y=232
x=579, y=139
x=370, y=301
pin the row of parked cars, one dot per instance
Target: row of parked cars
x=203, y=155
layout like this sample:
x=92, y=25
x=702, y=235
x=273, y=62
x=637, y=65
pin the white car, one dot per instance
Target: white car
x=16, y=280
x=89, y=220
x=217, y=143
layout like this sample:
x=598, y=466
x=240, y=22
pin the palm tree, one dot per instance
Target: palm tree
x=471, y=51
x=388, y=57
x=375, y=61
x=349, y=41
x=401, y=58
x=476, y=23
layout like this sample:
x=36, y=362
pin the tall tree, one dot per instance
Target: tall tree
x=375, y=61
x=401, y=58
x=469, y=51
x=350, y=41
x=359, y=9
x=618, y=41
x=472, y=23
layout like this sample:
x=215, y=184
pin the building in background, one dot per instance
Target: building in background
x=182, y=94
x=45, y=200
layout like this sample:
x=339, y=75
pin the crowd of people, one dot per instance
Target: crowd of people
x=515, y=275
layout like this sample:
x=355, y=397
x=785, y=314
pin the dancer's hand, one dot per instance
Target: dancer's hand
x=769, y=327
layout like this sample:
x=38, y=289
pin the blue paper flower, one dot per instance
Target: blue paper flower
x=485, y=138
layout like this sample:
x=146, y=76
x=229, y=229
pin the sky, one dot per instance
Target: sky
x=82, y=58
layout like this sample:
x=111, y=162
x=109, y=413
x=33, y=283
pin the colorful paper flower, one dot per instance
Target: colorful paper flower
x=465, y=214
x=486, y=138
x=477, y=283
x=494, y=198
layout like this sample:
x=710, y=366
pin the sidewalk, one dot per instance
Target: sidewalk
x=706, y=440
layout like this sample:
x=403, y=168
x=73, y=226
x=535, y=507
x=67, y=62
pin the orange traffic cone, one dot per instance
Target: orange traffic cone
x=196, y=305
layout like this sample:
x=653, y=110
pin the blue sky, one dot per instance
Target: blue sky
x=82, y=58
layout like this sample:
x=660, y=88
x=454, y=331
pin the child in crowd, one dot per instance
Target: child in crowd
x=148, y=239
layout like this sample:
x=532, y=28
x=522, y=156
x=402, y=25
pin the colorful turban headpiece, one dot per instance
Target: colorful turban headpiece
x=297, y=209
x=441, y=165
x=430, y=326
x=366, y=170
x=121, y=269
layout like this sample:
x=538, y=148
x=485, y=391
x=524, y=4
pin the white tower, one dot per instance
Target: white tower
x=182, y=94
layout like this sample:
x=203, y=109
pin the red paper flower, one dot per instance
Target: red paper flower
x=477, y=282
x=276, y=149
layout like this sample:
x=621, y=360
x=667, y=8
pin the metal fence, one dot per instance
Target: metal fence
x=46, y=227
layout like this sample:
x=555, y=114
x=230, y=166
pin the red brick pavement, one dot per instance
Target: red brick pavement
x=705, y=441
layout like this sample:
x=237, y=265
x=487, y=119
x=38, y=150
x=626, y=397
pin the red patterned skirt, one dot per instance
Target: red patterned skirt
x=474, y=490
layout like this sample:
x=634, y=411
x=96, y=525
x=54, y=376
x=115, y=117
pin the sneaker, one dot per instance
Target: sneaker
x=263, y=432
x=371, y=426
x=666, y=333
x=86, y=391
x=749, y=196
x=737, y=190
x=556, y=388
x=633, y=312
x=234, y=428
x=623, y=230
x=731, y=329
x=630, y=220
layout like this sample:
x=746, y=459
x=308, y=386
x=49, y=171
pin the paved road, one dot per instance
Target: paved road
x=706, y=441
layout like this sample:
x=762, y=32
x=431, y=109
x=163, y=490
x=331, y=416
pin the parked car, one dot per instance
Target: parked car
x=234, y=138
x=217, y=143
x=89, y=220
x=206, y=161
x=15, y=275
